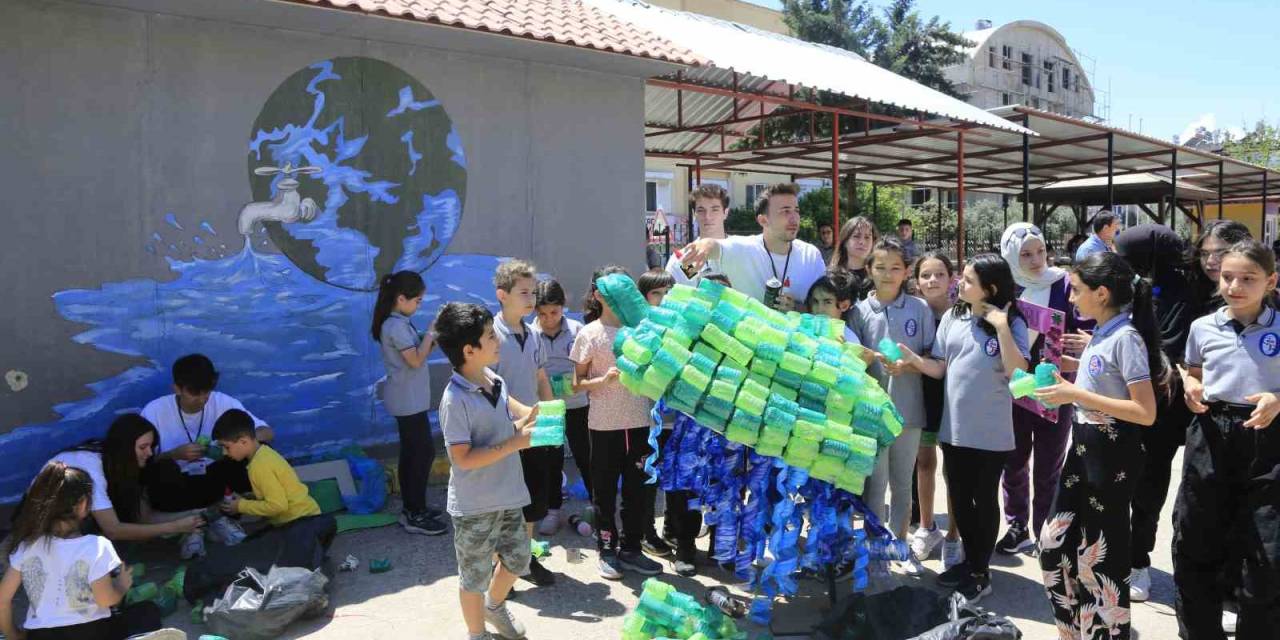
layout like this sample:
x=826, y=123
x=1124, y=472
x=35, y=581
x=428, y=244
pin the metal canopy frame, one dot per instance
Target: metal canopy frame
x=700, y=115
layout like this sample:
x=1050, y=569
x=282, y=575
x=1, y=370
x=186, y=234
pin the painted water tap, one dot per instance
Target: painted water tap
x=287, y=206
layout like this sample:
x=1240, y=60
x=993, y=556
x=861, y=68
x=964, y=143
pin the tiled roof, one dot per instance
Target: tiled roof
x=562, y=21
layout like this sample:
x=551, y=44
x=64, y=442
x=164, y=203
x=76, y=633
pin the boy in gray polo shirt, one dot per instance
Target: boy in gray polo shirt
x=486, y=490
x=522, y=361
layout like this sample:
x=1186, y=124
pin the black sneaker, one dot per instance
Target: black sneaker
x=1015, y=540
x=955, y=576
x=686, y=562
x=639, y=563
x=655, y=546
x=422, y=523
x=976, y=587
x=539, y=575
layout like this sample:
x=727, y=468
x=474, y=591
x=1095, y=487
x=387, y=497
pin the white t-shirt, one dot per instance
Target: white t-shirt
x=57, y=574
x=178, y=428
x=91, y=463
x=747, y=263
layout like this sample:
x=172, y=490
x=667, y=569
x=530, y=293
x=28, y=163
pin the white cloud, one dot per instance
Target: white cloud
x=1208, y=121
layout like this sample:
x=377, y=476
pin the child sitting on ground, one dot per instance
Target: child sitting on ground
x=72, y=581
x=281, y=497
x=487, y=491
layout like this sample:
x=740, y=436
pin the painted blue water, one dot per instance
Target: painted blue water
x=296, y=351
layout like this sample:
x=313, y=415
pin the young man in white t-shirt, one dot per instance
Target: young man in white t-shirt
x=751, y=261
x=710, y=204
x=181, y=476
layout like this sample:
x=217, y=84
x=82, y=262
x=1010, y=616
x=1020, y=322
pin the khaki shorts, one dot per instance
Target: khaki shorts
x=476, y=538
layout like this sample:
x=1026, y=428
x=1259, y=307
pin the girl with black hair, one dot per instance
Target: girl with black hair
x=1206, y=254
x=1157, y=253
x=407, y=393
x=1225, y=518
x=980, y=342
x=72, y=581
x=115, y=465
x=1084, y=546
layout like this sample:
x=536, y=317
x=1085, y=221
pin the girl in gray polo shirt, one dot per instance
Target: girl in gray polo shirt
x=407, y=393
x=980, y=342
x=1084, y=545
x=1230, y=492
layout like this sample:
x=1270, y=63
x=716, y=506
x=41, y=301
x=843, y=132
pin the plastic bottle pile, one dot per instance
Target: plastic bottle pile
x=785, y=384
x=664, y=612
x=548, y=427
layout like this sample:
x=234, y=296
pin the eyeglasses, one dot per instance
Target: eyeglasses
x=1217, y=255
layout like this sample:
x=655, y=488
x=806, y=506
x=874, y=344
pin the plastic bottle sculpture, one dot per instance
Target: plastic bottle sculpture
x=548, y=428
x=785, y=384
x=1023, y=384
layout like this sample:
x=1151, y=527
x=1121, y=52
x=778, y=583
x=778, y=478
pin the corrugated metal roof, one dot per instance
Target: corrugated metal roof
x=570, y=22
x=765, y=55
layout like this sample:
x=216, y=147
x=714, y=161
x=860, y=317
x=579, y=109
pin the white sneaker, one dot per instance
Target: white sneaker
x=952, y=553
x=549, y=523
x=227, y=531
x=1139, y=585
x=500, y=618
x=910, y=566
x=924, y=541
x=192, y=545
x=1229, y=622
x=609, y=567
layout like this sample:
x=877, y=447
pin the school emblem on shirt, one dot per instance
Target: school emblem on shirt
x=1095, y=365
x=1269, y=344
x=911, y=327
x=992, y=347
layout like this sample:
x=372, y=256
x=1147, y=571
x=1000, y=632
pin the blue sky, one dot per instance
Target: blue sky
x=1170, y=63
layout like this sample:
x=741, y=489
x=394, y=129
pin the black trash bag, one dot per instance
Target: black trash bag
x=890, y=615
x=970, y=622
x=257, y=607
x=301, y=543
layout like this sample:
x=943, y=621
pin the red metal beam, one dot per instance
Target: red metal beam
x=835, y=174
x=960, y=198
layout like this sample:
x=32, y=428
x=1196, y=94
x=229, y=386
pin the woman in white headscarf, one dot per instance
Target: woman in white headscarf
x=1040, y=446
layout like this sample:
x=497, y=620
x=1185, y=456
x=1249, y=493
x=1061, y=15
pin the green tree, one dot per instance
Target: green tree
x=919, y=49
x=1261, y=145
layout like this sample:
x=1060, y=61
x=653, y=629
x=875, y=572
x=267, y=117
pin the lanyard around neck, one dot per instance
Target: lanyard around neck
x=786, y=265
x=183, y=417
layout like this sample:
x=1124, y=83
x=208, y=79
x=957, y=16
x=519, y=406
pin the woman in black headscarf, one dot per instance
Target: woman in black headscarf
x=1157, y=253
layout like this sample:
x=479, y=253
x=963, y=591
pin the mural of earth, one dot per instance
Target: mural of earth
x=378, y=168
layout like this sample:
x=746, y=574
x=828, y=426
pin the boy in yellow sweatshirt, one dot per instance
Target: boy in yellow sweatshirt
x=281, y=498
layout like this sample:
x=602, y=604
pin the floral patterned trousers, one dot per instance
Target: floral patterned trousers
x=1084, y=545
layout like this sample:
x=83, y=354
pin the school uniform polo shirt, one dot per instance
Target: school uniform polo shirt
x=519, y=358
x=977, y=410
x=471, y=415
x=1115, y=358
x=906, y=320
x=1237, y=361
x=558, y=346
x=407, y=390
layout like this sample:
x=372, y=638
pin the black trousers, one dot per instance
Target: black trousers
x=575, y=433
x=302, y=543
x=1161, y=441
x=169, y=489
x=620, y=455
x=542, y=467
x=1227, y=519
x=973, y=484
x=679, y=522
x=1084, y=543
x=417, y=454
x=125, y=622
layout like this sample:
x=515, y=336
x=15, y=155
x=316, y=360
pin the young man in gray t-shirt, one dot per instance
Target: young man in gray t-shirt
x=486, y=486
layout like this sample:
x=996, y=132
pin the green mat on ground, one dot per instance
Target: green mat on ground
x=352, y=522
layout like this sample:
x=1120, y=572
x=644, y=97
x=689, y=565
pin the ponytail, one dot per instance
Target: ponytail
x=1128, y=289
x=53, y=498
x=393, y=285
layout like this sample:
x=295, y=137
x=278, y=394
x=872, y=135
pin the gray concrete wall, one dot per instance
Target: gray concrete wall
x=114, y=118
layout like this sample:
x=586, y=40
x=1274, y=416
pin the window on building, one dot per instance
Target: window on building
x=1006, y=99
x=1049, y=76
x=650, y=196
x=991, y=56
x=920, y=196
x=949, y=199
x=1026, y=69
x=1066, y=78
x=1035, y=103
x=754, y=191
x=1007, y=56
